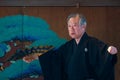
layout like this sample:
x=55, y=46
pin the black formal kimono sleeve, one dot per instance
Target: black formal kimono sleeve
x=51, y=64
x=104, y=68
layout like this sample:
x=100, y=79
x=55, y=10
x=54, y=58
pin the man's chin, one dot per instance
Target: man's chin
x=73, y=37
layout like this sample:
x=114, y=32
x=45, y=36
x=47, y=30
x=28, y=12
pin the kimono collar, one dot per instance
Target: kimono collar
x=83, y=39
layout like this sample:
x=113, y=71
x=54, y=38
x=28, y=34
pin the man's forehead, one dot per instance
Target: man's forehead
x=73, y=20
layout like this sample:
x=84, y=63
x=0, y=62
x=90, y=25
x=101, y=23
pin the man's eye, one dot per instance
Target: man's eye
x=69, y=26
x=75, y=25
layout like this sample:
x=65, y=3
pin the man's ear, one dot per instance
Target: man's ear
x=83, y=27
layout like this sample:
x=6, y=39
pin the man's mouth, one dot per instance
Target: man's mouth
x=72, y=33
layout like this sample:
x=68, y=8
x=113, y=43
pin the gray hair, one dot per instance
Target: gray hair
x=82, y=20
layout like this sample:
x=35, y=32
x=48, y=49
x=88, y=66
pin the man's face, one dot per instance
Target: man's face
x=74, y=29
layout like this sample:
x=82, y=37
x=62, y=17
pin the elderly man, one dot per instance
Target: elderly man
x=82, y=58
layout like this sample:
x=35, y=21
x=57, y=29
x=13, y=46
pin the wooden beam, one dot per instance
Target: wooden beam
x=58, y=3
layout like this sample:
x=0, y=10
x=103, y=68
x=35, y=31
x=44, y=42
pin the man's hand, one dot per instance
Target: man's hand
x=112, y=50
x=30, y=58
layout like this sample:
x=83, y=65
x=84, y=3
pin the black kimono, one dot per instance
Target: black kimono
x=89, y=60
